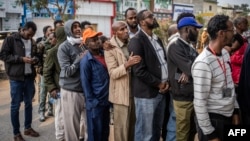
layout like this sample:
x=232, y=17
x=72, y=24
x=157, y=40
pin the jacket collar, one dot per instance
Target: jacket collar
x=18, y=36
x=150, y=37
x=90, y=56
x=117, y=42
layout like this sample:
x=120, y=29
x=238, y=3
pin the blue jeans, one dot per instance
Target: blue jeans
x=149, y=118
x=21, y=91
x=171, y=125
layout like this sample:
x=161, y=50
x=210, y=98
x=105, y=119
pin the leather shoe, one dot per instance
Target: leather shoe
x=18, y=137
x=31, y=132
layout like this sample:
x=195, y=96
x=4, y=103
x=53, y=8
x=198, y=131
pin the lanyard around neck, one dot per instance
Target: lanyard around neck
x=222, y=66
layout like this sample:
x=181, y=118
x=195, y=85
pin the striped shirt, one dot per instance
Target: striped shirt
x=209, y=82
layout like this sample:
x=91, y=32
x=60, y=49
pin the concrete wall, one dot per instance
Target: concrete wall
x=100, y=14
x=41, y=22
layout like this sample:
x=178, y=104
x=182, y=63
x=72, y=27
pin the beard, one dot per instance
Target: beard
x=154, y=25
x=133, y=26
x=192, y=36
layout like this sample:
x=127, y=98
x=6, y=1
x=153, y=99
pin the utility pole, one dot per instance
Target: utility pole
x=152, y=5
x=138, y=5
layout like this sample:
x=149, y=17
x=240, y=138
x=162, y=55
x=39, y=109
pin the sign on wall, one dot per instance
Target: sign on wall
x=180, y=8
x=160, y=6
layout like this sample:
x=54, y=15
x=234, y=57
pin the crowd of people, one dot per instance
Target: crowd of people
x=132, y=86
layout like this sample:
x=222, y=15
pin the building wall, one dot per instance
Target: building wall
x=102, y=23
x=222, y=10
x=100, y=13
x=41, y=22
x=10, y=14
x=198, y=4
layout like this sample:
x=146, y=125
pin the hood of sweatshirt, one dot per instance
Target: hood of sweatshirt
x=68, y=27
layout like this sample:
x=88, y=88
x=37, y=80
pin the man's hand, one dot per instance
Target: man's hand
x=83, y=53
x=236, y=119
x=216, y=139
x=27, y=60
x=54, y=93
x=183, y=78
x=165, y=89
x=132, y=60
x=107, y=45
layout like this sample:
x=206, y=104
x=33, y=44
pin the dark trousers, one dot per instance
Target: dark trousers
x=21, y=91
x=218, y=122
x=98, y=123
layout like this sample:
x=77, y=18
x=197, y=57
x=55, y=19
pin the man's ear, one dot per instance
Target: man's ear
x=220, y=33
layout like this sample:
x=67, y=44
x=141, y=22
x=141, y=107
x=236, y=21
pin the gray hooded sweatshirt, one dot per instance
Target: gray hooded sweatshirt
x=69, y=61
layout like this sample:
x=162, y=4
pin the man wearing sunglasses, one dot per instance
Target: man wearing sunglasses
x=149, y=79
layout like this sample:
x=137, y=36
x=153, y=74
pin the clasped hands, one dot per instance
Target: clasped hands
x=163, y=87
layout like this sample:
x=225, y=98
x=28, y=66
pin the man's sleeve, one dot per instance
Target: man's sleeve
x=140, y=69
x=178, y=55
x=7, y=52
x=116, y=71
x=48, y=69
x=67, y=68
x=202, y=84
x=86, y=78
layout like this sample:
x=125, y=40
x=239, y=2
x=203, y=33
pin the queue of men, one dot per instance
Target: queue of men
x=118, y=89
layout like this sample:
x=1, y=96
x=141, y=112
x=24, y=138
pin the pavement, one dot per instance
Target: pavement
x=45, y=129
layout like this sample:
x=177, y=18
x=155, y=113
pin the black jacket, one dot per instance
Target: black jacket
x=146, y=76
x=180, y=59
x=244, y=84
x=12, y=52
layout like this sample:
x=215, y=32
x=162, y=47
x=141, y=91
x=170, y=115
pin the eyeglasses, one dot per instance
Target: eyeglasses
x=150, y=16
x=230, y=30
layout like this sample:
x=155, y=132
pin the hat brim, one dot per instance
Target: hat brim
x=198, y=26
x=194, y=25
x=97, y=34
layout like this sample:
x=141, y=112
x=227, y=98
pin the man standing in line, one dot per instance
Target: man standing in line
x=73, y=102
x=119, y=63
x=51, y=72
x=241, y=25
x=173, y=35
x=244, y=91
x=149, y=79
x=42, y=48
x=130, y=18
x=19, y=54
x=95, y=83
x=181, y=55
x=215, y=101
x=58, y=23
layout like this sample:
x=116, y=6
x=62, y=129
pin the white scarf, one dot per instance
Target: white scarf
x=73, y=40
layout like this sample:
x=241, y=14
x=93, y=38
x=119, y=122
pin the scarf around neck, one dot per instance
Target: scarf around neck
x=73, y=40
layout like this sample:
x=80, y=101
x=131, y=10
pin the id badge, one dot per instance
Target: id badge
x=227, y=92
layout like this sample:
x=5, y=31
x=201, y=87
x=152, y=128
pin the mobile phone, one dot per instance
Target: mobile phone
x=177, y=76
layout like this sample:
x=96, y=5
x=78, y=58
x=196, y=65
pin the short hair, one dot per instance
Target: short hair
x=126, y=11
x=56, y=22
x=103, y=38
x=215, y=24
x=172, y=29
x=140, y=16
x=46, y=28
x=184, y=14
x=31, y=25
x=239, y=20
x=84, y=23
